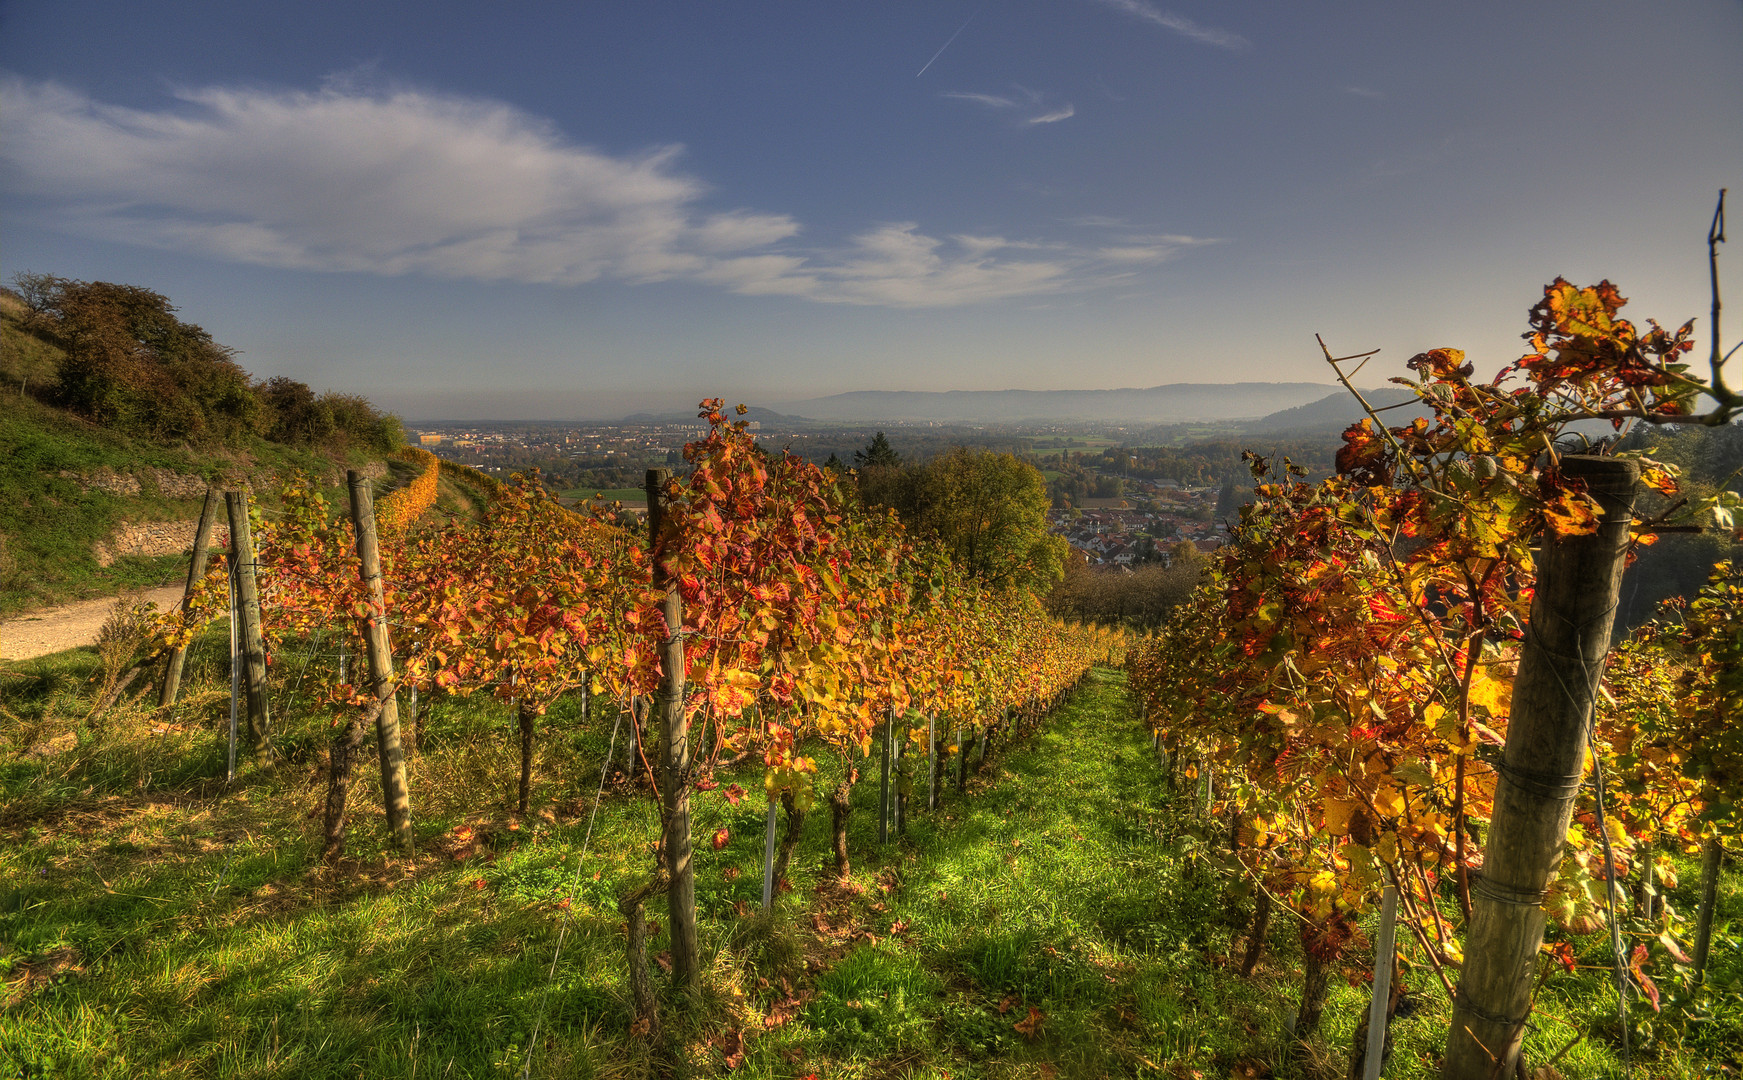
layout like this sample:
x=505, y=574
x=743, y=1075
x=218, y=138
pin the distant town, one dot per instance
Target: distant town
x=1110, y=515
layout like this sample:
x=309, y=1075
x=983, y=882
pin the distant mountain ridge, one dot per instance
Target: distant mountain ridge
x=1170, y=403
x=1339, y=410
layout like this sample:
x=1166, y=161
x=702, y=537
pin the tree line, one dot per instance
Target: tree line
x=117, y=355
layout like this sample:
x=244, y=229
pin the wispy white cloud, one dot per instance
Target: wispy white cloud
x=1180, y=24
x=410, y=182
x=991, y=101
x=1023, y=96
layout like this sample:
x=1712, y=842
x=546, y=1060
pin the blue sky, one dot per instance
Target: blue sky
x=570, y=210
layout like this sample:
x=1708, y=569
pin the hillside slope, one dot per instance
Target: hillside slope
x=78, y=503
x=90, y=509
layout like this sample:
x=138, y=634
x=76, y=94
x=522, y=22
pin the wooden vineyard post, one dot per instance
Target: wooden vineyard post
x=172, y=671
x=252, y=644
x=674, y=754
x=395, y=796
x=235, y=669
x=931, y=763
x=961, y=760
x=1561, y=660
x=884, y=777
x=901, y=794
x=769, y=859
x=1373, y=1049
x=1711, y=858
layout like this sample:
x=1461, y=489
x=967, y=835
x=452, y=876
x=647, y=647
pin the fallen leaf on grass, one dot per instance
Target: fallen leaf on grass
x=732, y=873
x=731, y=1045
x=1030, y=1026
x=1005, y=1005
x=721, y=838
x=781, y=1012
x=734, y=794
x=664, y=960
x=477, y=883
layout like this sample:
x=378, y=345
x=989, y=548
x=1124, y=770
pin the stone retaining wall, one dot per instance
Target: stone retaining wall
x=169, y=484
x=157, y=538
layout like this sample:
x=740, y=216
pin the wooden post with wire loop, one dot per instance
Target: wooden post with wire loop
x=674, y=753
x=172, y=670
x=395, y=793
x=1578, y=584
x=251, y=642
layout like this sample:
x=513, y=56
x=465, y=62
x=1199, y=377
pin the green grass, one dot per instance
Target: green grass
x=155, y=924
x=50, y=524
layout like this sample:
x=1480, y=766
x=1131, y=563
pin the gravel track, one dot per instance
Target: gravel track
x=52, y=630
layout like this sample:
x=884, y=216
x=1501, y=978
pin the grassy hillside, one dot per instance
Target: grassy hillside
x=67, y=483
x=63, y=491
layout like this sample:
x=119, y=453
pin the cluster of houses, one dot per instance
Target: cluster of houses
x=1120, y=535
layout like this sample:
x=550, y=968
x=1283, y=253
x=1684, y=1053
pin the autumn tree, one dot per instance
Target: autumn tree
x=988, y=510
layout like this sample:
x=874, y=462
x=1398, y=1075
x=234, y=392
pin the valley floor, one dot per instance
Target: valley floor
x=1065, y=916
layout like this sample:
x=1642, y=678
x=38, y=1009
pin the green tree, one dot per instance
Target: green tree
x=990, y=512
x=1228, y=500
x=878, y=454
x=131, y=364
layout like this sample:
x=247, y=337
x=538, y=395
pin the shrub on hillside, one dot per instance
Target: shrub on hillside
x=128, y=363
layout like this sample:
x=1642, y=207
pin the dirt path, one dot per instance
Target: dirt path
x=50, y=630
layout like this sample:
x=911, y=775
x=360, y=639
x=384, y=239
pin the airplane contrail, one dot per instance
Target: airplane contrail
x=953, y=37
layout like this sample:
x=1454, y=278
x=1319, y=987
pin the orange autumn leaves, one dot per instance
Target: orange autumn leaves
x=796, y=598
x=1348, y=666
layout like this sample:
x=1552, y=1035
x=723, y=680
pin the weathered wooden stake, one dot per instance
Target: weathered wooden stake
x=931, y=763
x=395, y=794
x=1579, y=582
x=961, y=759
x=1711, y=859
x=884, y=778
x=1379, y=1008
x=172, y=671
x=253, y=645
x=235, y=670
x=675, y=754
x=769, y=860
x=901, y=792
